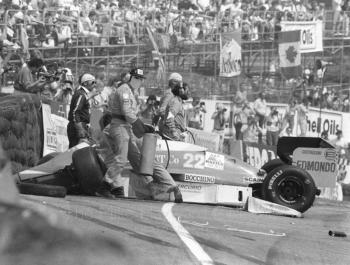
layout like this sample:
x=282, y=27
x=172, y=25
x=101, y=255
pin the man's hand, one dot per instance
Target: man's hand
x=81, y=130
x=42, y=79
x=139, y=128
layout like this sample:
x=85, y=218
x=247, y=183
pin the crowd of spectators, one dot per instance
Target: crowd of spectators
x=47, y=23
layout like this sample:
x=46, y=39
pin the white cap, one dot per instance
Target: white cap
x=87, y=77
x=176, y=77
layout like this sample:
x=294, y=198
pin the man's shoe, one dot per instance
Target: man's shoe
x=104, y=191
x=118, y=192
x=177, y=194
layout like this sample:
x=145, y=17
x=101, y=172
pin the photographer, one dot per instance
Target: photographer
x=196, y=113
x=148, y=111
x=219, y=123
x=26, y=79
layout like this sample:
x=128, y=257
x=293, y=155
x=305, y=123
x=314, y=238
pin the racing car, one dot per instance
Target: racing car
x=202, y=176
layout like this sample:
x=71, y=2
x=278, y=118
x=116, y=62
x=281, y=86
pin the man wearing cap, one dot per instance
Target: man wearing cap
x=175, y=79
x=79, y=112
x=121, y=137
x=174, y=119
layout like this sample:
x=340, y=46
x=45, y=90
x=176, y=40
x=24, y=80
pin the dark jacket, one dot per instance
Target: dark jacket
x=79, y=107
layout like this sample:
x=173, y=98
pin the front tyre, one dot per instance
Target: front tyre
x=289, y=186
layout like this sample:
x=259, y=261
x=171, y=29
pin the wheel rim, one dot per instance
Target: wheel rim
x=290, y=189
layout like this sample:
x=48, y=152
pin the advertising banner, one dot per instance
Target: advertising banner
x=321, y=163
x=258, y=154
x=230, y=54
x=55, y=131
x=311, y=37
x=50, y=134
x=326, y=120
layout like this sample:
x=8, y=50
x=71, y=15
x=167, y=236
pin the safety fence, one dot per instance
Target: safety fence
x=188, y=43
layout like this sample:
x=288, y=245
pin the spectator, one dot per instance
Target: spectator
x=324, y=135
x=260, y=108
x=339, y=142
x=303, y=109
x=288, y=119
x=148, y=111
x=219, y=124
x=287, y=132
x=26, y=79
x=240, y=120
x=252, y=131
x=241, y=95
x=272, y=128
x=196, y=113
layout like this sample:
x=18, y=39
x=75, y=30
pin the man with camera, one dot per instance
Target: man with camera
x=219, y=124
x=26, y=79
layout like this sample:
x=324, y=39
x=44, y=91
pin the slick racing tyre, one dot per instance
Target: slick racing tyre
x=88, y=170
x=42, y=190
x=47, y=158
x=271, y=165
x=289, y=186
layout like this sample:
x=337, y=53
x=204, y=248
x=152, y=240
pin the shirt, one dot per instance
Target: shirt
x=124, y=104
x=24, y=78
x=260, y=106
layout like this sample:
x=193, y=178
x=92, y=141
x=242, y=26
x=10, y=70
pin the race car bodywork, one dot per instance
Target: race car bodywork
x=202, y=176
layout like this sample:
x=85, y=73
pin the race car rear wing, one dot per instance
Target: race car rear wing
x=287, y=145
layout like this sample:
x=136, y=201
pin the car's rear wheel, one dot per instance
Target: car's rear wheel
x=42, y=190
x=88, y=170
x=289, y=186
x=271, y=165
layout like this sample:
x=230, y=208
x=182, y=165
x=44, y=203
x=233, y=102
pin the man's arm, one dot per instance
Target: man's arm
x=125, y=100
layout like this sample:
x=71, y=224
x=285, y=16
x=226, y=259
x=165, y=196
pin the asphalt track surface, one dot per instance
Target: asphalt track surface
x=167, y=233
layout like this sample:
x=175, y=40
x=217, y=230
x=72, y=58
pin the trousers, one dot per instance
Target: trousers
x=125, y=147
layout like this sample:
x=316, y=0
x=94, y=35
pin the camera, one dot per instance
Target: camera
x=49, y=77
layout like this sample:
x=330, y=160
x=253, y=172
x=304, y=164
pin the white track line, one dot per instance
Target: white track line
x=185, y=236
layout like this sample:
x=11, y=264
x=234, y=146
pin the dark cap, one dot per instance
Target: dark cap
x=151, y=97
x=137, y=73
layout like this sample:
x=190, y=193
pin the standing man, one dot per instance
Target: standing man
x=174, y=119
x=26, y=79
x=121, y=137
x=79, y=112
x=175, y=79
x=303, y=110
x=219, y=124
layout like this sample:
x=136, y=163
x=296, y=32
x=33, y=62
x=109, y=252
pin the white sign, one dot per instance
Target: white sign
x=230, y=54
x=55, y=131
x=199, y=178
x=214, y=161
x=311, y=39
x=321, y=163
x=330, y=121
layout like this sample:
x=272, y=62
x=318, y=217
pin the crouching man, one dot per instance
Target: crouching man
x=121, y=135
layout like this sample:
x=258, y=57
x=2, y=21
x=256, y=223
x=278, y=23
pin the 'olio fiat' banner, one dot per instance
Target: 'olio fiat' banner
x=230, y=54
x=310, y=34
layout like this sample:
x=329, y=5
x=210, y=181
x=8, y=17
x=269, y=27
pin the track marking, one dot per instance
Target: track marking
x=192, y=222
x=185, y=236
x=272, y=233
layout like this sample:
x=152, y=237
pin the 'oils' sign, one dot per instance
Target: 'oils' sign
x=321, y=163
